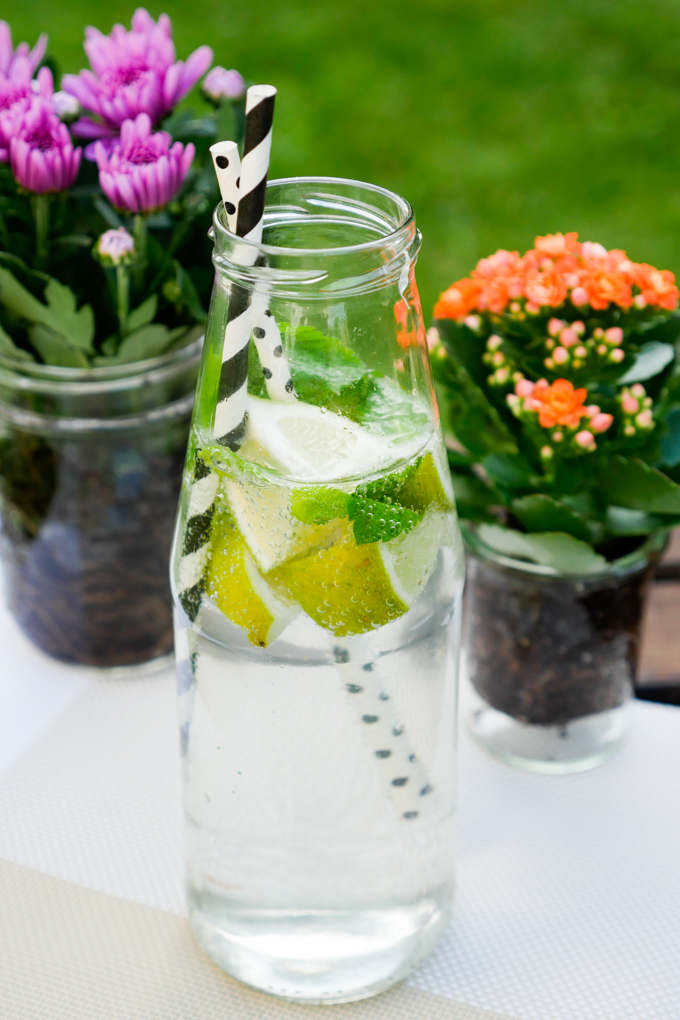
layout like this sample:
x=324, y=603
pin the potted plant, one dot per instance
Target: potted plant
x=559, y=383
x=106, y=194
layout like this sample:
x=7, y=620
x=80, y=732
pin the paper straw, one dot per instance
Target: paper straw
x=404, y=777
x=227, y=164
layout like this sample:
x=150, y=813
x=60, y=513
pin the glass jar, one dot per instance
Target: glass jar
x=552, y=658
x=317, y=575
x=90, y=471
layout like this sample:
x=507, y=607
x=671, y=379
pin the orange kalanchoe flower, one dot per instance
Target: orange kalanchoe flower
x=558, y=404
x=558, y=268
x=459, y=300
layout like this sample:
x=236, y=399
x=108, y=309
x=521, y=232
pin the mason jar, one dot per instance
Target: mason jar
x=317, y=576
x=90, y=471
x=552, y=657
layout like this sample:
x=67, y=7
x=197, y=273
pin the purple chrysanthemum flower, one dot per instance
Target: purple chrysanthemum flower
x=143, y=171
x=132, y=72
x=16, y=95
x=41, y=151
x=9, y=56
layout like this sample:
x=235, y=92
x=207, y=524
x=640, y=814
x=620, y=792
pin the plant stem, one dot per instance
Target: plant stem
x=123, y=298
x=140, y=235
x=41, y=210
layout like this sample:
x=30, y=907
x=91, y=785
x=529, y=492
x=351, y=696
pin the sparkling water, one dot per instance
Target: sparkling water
x=319, y=771
x=305, y=879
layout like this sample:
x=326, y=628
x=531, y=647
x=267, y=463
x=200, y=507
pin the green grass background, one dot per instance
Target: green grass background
x=497, y=119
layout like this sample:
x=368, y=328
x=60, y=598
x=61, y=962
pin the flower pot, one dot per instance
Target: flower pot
x=90, y=470
x=552, y=658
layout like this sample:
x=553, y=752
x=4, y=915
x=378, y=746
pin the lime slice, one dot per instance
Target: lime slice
x=429, y=485
x=262, y=514
x=352, y=589
x=238, y=589
x=311, y=443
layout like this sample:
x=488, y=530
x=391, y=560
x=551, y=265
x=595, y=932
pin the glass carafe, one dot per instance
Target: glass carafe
x=317, y=576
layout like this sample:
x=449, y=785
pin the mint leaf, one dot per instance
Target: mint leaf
x=542, y=513
x=374, y=521
x=143, y=314
x=318, y=505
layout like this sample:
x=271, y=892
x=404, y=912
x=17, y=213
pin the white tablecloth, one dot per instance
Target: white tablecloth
x=569, y=887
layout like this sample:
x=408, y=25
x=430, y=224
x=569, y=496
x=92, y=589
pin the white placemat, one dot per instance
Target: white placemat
x=569, y=887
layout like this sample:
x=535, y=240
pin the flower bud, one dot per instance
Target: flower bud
x=578, y=327
x=638, y=390
x=629, y=404
x=644, y=419
x=66, y=107
x=601, y=422
x=115, y=247
x=585, y=439
x=614, y=335
x=493, y=343
x=546, y=452
x=220, y=84
x=568, y=337
x=524, y=388
x=472, y=321
x=557, y=437
x=629, y=430
x=554, y=326
x=580, y=351
x=579, y=296
x=560, y=356
x=617, y=355
x=640, y=301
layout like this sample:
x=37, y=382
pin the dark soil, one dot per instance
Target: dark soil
x=547, y=651
x=87, y=529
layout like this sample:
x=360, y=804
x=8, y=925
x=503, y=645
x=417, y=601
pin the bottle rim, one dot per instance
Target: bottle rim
x=403, y=228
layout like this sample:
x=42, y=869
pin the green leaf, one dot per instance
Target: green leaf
x=465, y=347
x=629, y=482
x=59, y=314
x=509, y=470
x=542, y=513
x=374, y=521
x=107, y=212
x=76, y=326
x=472, y=418
x=562, y=552
x=651, y=359
x=473, y=497
x=10, y=349
x=147, y=342
x=317, y=505
x=54, y=349
x=143, y=314
x=670, y=443
x=623, y=521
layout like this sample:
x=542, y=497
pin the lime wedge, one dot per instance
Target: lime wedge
x=352, y=589
x=262, y=514
x=238, y=589
x=429, y=485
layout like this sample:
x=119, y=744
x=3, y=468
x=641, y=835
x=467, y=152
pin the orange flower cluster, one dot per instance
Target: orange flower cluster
x=557, y=267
